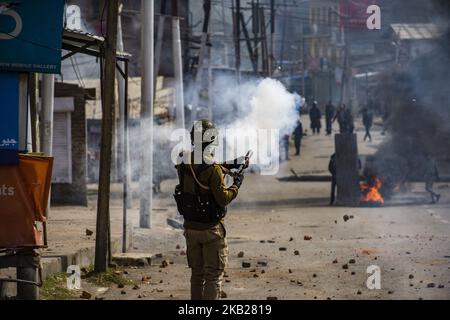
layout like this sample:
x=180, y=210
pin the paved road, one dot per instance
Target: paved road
x=407, y=239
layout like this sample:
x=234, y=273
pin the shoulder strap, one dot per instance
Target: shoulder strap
x=196, y=180
x=182, y=167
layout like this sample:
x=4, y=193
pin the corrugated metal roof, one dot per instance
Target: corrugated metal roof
x=78, y=38
x=416, y=31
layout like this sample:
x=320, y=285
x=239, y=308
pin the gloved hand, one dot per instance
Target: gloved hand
x=238, y=179
x=242, y=160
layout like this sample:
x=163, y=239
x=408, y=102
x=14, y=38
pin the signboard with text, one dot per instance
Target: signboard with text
x=9, y=117
x=9, y=111
x=31, y=35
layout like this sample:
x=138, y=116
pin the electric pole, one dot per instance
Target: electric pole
x=146, y=179
x=178, y=67
x=48, y=101
x=103, y=215
x=272, y=37
x=237, y=40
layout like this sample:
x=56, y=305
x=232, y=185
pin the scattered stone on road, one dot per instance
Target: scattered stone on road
x=241, y=254
x=89, y=232
x=307, y=238
x=346, y=218
x=86, y=295
x=345, y=266
x=246, y=265
x=164, y=264
x=296, y=252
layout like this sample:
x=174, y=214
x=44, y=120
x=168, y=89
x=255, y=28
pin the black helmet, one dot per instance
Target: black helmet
x=205, y=130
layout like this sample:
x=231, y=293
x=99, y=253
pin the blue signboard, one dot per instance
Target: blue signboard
x=9, y=117
x=31, y=35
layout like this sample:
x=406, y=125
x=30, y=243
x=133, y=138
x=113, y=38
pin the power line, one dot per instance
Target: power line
x=30, y=41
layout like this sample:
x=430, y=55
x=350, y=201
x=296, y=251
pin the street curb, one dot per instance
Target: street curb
x=83, y=257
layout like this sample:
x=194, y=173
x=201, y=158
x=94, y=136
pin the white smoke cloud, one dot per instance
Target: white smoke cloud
x=268, y=111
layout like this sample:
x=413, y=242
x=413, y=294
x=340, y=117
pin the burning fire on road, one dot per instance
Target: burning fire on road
x=371, y=193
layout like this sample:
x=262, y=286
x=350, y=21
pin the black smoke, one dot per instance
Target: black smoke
x=417, y=97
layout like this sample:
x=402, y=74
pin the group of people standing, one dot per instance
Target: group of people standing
x=342, y=115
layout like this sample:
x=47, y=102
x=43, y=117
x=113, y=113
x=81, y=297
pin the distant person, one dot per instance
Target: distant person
x=431, y=176
x=368, y=122
x=340, y=118
x=329, y=115
x=332, y=170
x=385, y=117
x=315, y=116
x=298, y=136
x=286, y=141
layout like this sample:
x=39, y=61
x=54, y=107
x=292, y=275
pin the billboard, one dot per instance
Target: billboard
x=31, y=35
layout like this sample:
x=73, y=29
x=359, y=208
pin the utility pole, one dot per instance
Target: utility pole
x=272, y=37
x=34, y=100
x=121, y=91
x=178, y=67
x=48, y=104
x=199, y=77
x=265, y=54
x=102, y=240
x=123, y=155
x=159, y=42
x=225, y=43
x=303, y=62
x=283, y=35
x=256, y=28
x=237, y=40
x=249, y=44
x=345, y=71
x=146, y=179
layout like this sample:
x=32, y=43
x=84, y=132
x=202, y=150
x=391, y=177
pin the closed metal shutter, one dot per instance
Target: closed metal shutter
x=62, y=148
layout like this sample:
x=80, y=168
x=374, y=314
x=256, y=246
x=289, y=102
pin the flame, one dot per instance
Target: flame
x=371, y=193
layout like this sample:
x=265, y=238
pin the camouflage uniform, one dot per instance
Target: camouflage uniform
x=207, y=248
